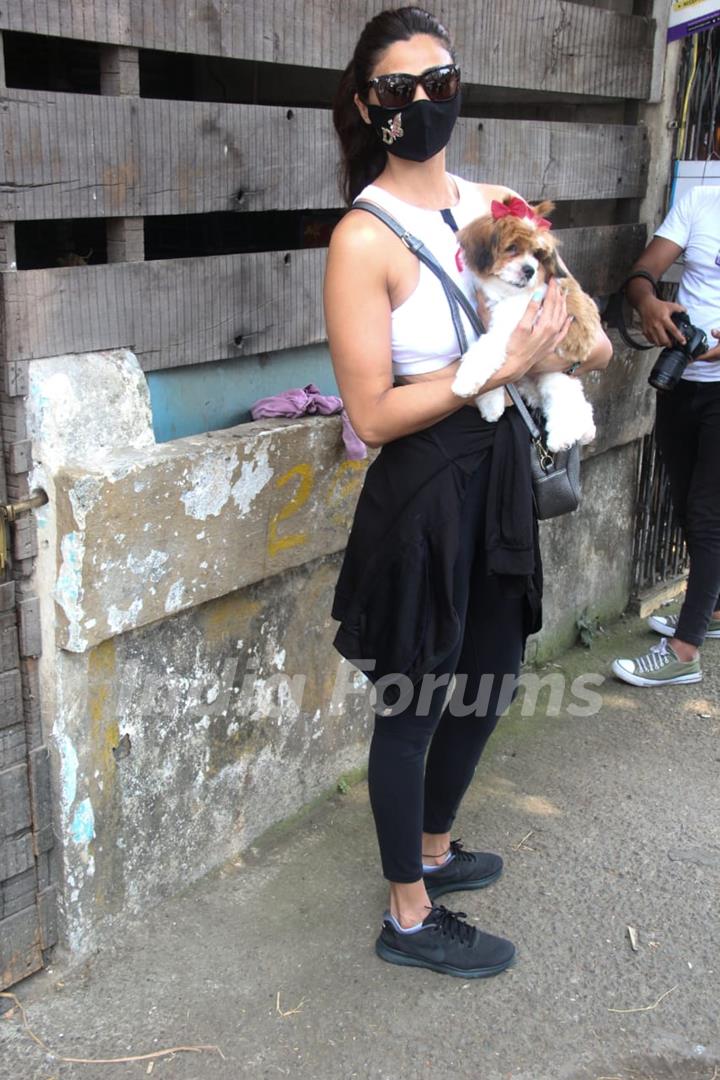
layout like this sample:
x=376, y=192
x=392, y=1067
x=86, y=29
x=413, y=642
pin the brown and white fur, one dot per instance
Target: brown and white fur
x=511, y=258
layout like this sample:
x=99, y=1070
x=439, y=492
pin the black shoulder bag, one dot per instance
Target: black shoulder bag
x=555, y=476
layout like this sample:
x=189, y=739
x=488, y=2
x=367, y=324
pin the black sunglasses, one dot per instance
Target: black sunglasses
x=397, y=90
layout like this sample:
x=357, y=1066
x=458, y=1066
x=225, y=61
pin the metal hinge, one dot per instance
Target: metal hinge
x=9, y=513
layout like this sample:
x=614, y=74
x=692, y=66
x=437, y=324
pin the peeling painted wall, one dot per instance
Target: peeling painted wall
x=187, y=664
x=180, y=742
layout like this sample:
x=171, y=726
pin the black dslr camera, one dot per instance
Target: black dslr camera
x=670, y=364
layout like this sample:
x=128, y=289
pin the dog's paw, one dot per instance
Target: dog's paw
x=558, y=440
x=492, y=404
x=588, y=435
x=585, y=422
x=568, y=413
x=562, y=431
x=465, y=383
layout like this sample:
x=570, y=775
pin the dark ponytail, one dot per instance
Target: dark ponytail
x=363, y=155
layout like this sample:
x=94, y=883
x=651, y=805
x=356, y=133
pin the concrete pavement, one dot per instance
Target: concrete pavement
x=605, y=821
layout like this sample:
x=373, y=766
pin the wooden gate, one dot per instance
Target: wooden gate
x=27, y=894
x=28, y=923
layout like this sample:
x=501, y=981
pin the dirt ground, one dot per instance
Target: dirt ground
x=605, y=821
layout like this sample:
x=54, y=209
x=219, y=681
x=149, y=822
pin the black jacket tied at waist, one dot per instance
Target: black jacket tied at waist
x=394, y=594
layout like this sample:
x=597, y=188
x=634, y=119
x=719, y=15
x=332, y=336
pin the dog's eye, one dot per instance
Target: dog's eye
x=511, y=249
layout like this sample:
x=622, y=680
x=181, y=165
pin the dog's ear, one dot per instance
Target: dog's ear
x=547, y=255
x=484, y=256
x=554, y=265
x=543, y=208
x=479, y=244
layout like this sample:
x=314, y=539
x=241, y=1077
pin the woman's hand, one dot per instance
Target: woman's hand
x=657, y=325
x=539, y=332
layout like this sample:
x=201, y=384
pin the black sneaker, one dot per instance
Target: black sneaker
x=468, y=870
x=446, y=944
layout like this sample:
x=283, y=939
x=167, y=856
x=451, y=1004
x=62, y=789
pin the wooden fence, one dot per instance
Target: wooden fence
x=124, y=158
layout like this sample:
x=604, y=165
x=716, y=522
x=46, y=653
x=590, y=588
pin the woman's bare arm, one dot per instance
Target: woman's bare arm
x=357, y=316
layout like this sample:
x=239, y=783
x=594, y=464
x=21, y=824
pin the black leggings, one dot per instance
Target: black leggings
x=407, y=795
x=688, y=438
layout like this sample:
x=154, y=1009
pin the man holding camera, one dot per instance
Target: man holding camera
x=687, y=428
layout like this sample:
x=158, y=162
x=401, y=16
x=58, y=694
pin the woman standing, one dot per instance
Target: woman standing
x=441, y=575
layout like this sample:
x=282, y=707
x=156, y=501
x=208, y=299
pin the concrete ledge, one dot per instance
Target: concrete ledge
x=143, y=530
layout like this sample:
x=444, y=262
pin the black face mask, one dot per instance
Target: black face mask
x=417, y=131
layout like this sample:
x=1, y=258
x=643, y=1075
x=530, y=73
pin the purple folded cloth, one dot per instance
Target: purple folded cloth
x=308, y=399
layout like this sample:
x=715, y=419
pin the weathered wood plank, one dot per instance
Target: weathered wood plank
x=11, y=704
x=125, y=239
x=30, y=677
x=7, y=245
x=41, y=798
x=120, y=76
x=281, y=159
x=47, y=902
x=18, y=893
x=9, y=658
x=544, y=45
x=119, y=70
x=185, y=311
x=20, y=952
x=14, y=800
x=16, y=855
x=13, y=745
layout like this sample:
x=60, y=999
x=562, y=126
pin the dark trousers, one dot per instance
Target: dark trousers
x=408, y=795
x=687, y=431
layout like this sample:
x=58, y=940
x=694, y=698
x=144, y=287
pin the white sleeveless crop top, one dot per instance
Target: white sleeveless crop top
x=423, y=336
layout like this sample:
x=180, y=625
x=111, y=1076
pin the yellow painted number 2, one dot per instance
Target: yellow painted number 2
x=297, y=500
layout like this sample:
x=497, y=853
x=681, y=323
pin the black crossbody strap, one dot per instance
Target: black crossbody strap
x=412, y=243
x=454, y=294
x=615, y=316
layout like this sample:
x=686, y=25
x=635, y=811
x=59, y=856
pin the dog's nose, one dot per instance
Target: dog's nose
x=528, y=271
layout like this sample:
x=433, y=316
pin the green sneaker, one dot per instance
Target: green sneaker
x=667, y=625
x=659, y=667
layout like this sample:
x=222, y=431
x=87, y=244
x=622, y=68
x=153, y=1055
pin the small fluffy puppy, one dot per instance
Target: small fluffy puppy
x=512, y=255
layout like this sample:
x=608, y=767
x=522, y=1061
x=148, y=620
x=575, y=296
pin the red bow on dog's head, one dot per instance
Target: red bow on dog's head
x=516, y=207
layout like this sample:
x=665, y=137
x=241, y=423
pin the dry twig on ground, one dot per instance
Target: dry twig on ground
x=645, y=1008
x=106, y=1061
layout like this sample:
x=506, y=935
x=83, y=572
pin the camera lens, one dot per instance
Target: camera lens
x=668, y=369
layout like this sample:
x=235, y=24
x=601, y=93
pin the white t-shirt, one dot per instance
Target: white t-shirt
x=694, y=224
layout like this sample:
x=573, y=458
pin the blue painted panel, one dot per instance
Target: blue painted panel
x=206, y=397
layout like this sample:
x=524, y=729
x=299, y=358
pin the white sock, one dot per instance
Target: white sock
x=404, y=929
x=429, y=869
